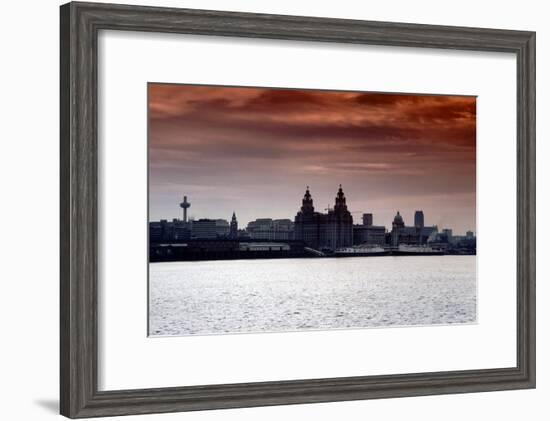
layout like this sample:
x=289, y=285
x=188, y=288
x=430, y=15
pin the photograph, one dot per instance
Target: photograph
x=276, y=209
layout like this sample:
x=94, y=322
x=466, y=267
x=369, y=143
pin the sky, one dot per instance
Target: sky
x=254, y=151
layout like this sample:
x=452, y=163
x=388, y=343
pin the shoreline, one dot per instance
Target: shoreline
x=167, y=260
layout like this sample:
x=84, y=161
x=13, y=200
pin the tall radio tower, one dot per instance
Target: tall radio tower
x=185, y=205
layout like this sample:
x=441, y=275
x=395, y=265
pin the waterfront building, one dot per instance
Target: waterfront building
x=369, y=234
x=242, y=233
x=402, y=234
x=419, y=219
x=271, y=229
x=367, y=219
x=234, y=227
x=158, y=232
x=339, y=230
x=307, y=222
x=181, y=229
x=165, y=231
x=222, y=228
x=426, y=232
x=398, y=226
x=331, y=230
x=469, y=234
x=256, y=246
x=449, y=233
x=204, y=228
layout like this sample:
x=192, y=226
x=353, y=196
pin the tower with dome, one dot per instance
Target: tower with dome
x=319, y=230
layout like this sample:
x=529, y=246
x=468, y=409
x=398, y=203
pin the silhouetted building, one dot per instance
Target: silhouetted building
x=402, y=234
x=165, y=231
x=398, y=226
x=271, y=229
x=307, y=223
x=369, y=234
x=367, y=219
x=234, y=227
x=242, y=233
x=449, y=233
x=256, y=246
x=419, y=219
x=204, y=229
x=339, y=224
x=425, y=233
x=222, y=228
x=331, y=230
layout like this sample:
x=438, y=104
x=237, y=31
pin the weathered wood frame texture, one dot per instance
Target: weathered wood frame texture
x=80, y=23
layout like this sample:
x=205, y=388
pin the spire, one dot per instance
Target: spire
x=233, y=227
x=307, y=202
x=340, y=202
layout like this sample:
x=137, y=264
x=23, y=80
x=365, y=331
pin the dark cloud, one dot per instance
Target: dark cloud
x=224, y=145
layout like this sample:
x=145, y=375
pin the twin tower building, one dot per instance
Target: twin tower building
x=324, y=230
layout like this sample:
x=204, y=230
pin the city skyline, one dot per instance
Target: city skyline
x=358, y=219
x=254, y=150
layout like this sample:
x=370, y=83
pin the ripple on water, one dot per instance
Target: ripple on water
x=239, y=296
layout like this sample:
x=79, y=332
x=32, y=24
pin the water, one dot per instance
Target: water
x=239, y=296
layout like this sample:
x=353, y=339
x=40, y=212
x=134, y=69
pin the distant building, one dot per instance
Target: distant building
x=369, y=234
x=242, y=233
x=234, y=227
x=222, y=228
x=419, y=234
x=367, y=219
x=339, y=224
x=308, y=224
x=469, y=234
x=425, y=233
x=398, y=226
x=331, y=230
x=204, y=229
x=419, y=219
x=449, y=233
x=255, y=246
x=271, y=229
x=165, y=231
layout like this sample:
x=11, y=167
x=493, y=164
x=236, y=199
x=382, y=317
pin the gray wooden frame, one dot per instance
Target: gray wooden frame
x=80, y=23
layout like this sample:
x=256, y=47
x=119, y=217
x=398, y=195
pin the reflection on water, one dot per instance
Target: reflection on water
x=238, y=296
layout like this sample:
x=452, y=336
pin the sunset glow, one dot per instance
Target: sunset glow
x=254, y=150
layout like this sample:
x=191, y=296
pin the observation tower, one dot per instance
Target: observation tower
x=185, y=205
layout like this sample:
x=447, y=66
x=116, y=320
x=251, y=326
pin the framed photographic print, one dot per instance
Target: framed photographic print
x=264, y=210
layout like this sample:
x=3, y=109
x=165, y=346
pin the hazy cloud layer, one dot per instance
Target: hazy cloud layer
x=253, y=150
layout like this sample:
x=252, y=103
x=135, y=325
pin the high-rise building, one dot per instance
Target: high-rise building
x=367, y=219
x=233, y=227
x=419, y=219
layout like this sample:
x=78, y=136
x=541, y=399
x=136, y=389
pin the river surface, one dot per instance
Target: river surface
x=242, y=296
